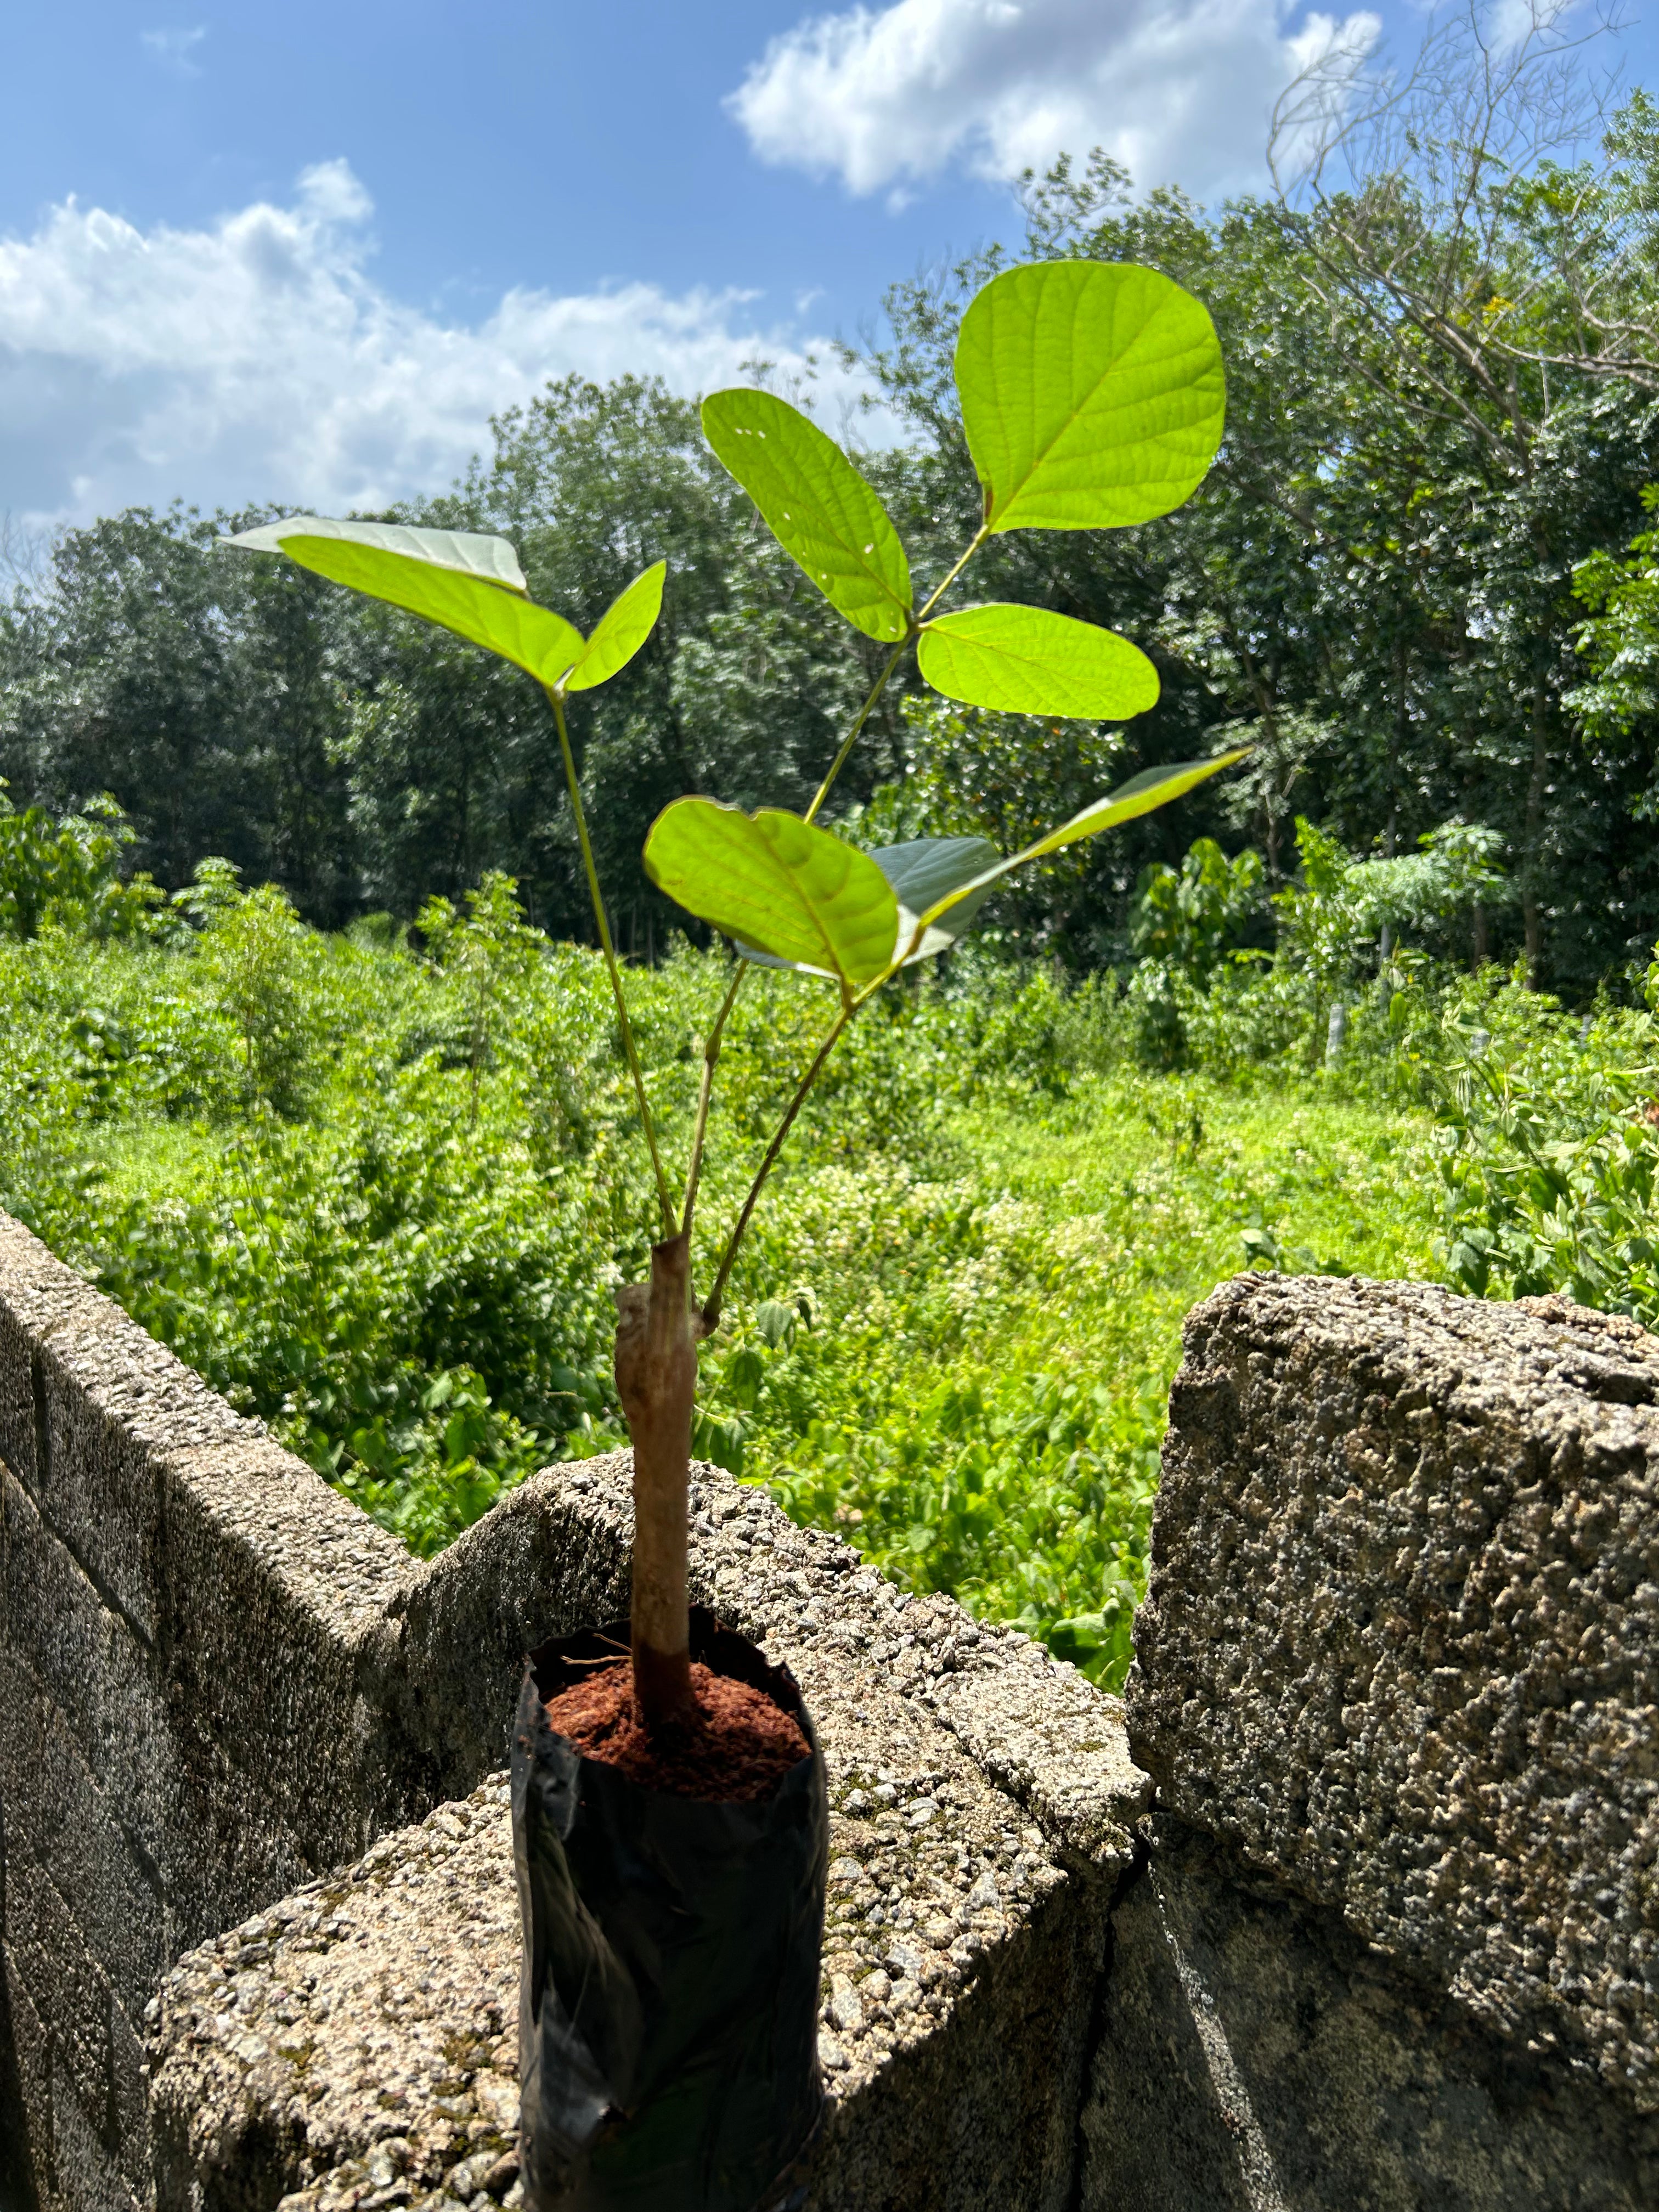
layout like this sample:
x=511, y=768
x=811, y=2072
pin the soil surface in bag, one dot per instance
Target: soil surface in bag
x=736, y=1747
x=668, y=2015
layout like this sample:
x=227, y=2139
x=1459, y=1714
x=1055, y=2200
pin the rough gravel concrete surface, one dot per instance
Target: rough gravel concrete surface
x=1401, y=1659
x=1256, y=2056
x=354, y=2046
x=150, y=1540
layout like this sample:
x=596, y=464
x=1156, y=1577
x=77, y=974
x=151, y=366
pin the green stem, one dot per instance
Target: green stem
x=711, y=1053
x=712, y=1306
x=858, y=721
x=665, y=1198
x=711, y=1050
x=880, y=684
x=975, y=542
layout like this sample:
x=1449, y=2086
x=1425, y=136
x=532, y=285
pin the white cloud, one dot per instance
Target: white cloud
x=256, y=359
x=1180, y=91
x=175, y=50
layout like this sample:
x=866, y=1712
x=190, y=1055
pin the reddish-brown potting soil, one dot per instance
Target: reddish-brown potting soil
x=735, y=1748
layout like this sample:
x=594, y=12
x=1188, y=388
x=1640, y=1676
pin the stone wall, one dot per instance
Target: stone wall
x=185, y=1620
x=221, y=1685
x=981, y=1802
x=1397, y=1681
x=1388, y=1936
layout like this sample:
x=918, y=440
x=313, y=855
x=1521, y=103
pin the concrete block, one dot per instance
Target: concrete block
x=552, y=1556
x=966, y=1930
x=1255, y=2053
x=264, y=1558
x=61, y=1817
x=211, y=1544
x=90, y=1666
x=234, y=1782
x=386, y=2000
x=25, y=2093
x=86, y=2176
x=94, y=1481
x=5, y=1555
x=126, y=2133
x=1400, y=1656
x=67, y=1988
x=16, y=1390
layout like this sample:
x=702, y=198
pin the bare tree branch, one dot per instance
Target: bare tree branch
x=1479, y=210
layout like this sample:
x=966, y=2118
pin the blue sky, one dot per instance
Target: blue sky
x=302, y=253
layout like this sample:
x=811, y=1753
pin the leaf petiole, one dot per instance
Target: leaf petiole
x=711, y=1311
x=858, y=721
x=941, y=589
x=664, y=1197
x=711, y=1053
x=880, y=684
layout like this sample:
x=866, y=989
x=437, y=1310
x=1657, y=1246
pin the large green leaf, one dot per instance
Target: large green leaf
x=777, y=884
x=818, y=506
x=925, y=870
x=1027, y=660
x=1143, y=794
x=1092, y=394
x=471, y=585
x=621, y=630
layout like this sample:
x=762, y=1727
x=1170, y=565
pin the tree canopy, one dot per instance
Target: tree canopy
x=1418, y=580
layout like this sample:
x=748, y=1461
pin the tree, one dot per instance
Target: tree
x=201, y=699
x=1621, y=641
x=1459, y=262
x=1053, y=361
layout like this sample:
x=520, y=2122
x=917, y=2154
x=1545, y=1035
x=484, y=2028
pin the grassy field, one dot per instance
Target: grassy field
x=381, y=1198
x=985, y=1417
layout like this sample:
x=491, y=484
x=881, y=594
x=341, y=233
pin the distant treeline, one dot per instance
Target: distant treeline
x=1441, y=403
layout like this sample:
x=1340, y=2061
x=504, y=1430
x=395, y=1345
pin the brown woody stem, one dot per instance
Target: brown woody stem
x=657, y=1335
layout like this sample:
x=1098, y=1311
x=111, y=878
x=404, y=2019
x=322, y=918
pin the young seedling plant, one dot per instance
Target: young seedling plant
x=1092, y=397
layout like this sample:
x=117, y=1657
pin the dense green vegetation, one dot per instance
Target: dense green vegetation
x=359, y=1144
x=1442, y=408
x=377, y=1187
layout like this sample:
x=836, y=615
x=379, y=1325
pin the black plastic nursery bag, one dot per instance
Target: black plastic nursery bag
x=668, y=2007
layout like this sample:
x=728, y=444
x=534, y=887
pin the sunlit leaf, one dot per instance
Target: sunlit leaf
x=622, y=629
x=468, y=584
x=925, y=870
x=1092, y=394
x=921, y=873
x=816, y=505
x=1143, y=794
x=462, y=552
x=1028, y=660
x=783, y=885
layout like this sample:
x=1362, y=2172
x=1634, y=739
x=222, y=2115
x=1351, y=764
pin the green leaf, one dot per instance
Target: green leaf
x=1077, y=1638
x=1092, y=394
x=622, y=629
x=1027, y=660
x=462, y=552
x=778, y=884
x=921, y=873
x=818, y=505
x=924, y=871
x=776, y=1321
x=1143, y=794
x=467, y=584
